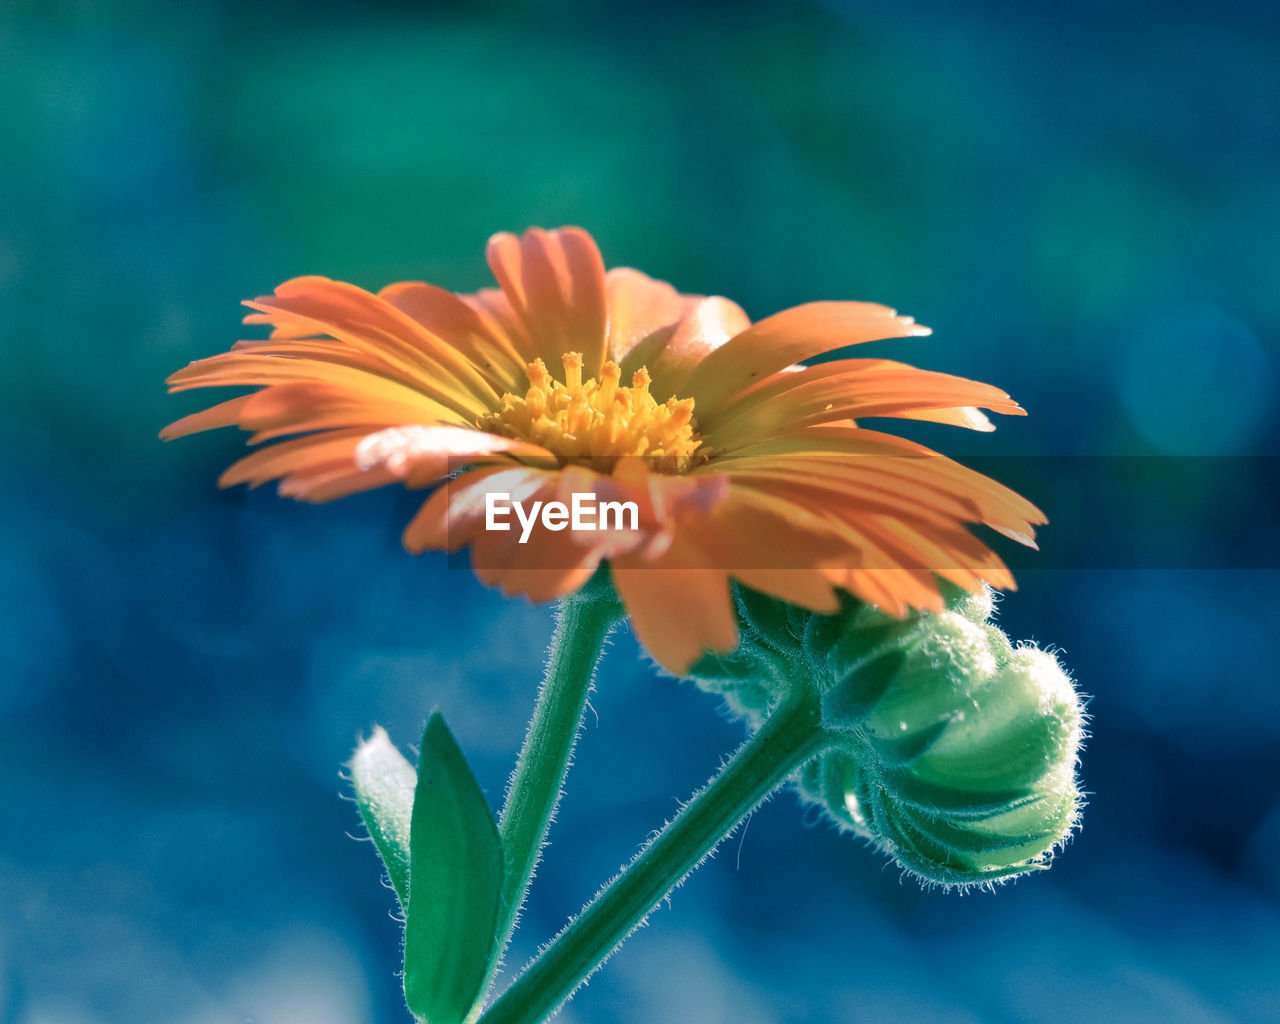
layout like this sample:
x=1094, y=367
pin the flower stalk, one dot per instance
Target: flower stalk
x=584, y=620
x=792, y=735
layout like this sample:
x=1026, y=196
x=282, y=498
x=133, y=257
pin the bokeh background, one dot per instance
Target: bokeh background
x=1081, y=199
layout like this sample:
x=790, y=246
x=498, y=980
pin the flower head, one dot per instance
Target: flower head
x=740, y=461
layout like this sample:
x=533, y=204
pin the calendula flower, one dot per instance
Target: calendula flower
x=732, y=458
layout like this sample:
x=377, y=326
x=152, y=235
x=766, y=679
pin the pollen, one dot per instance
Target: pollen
x=597, y=421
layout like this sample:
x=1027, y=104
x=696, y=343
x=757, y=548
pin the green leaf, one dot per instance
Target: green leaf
x=456, y=869
x=384, y=782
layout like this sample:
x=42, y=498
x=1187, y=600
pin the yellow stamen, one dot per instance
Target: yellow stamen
x=595, y=422
x=537, y=373
x=573, y=370
x=610, y=375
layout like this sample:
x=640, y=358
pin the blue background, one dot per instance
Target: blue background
x=1081, y=199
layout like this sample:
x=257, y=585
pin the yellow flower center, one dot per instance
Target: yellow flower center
x=594, y=422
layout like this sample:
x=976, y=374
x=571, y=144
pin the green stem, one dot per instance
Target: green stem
x=790, y=737
x=583, y=621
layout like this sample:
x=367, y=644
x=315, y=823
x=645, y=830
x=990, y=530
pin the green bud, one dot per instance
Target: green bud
x=952, y=750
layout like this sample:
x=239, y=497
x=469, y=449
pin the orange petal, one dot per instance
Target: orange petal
x=324, y=350
x=920, y=487
x=248, y=369
x=967, y=416
x=844, y=390
x=290, y=331
x=224, y=414
x=297, y=408
x=833, y=525
x=495, y=312
x=455, y=514
x=548, y=565
x=956, y=555
x=329, y=483
x=994, y=504
x=798, y=536
x=420, y=454
x=787, y=338
x=639, y=307
x=678, y=613
x=707, y=325
x=554, y=281
x=826, y=490
x=445, y=315
x=373, y=325
x=297, y=456
x=894, y=591
x=803, y=587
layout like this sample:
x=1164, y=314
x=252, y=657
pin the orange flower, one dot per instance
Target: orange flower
x=740, y=461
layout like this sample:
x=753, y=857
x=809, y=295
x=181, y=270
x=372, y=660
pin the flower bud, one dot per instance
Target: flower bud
x=952, y=750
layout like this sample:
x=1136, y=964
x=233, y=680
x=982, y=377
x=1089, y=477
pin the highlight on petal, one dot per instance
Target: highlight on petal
x=419, y=454
x=968, y=416
x=317, y=468
x=330, y=450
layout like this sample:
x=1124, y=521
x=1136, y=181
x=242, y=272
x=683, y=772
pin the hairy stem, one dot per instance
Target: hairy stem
x=791, y=736
x=583, y=621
